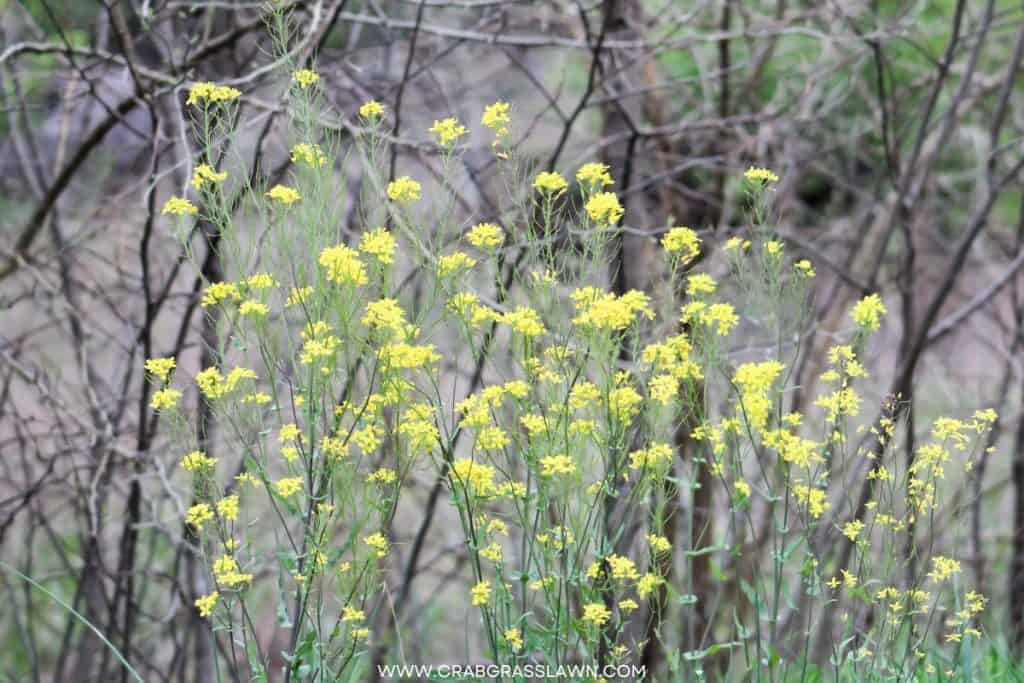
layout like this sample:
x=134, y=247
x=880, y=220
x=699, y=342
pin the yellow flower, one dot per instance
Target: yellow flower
x=514, y=639
x=486, y=236
x=604, y=310
x=211, y=92
x=700, y=283
x=261, y=281
x=682, y=241
x=384, y=314
x=742, y=489
x=253, y=308
x=228, y=508
x=205, y=174
x=165, y=398
x=651, y=457
x=852, y=529
x=309, y=154
x=219, y=291
x=198, y=515
x=382, y=476
x=492, y=439
x=196, y=461
x=550, y=182
x=556, y=464
x=371, y=110
x=525, y=321
x=804, y=267
x=480, y=593
x=206, y=604
x=343, y=265
x=446, y=265
x=160, y=367
x=596, y=613
x=448, y=130
x=475, y=474
x=604, y=208
x=289, y=486
x=378, y=542
x=868, y=312
x=349, y=613
x=379, y=243
x=305, y=78
x=943, y=568
x=404, y=189
x=628, y=605
x=299, y=295
x=659, y=544
x=496, y=118
x=179, y=206
x=761, y=175
x=594, y=175
x=285, y=195
x=813, y=499
x=492, y=552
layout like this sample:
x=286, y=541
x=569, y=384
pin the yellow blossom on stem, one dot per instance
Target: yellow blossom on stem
x=305, y=78
x=371, y=110
x=378, y=243
x=868, y=312
x=486, y=236
x=284, y=194
x=404, y=189
x=160, y=367
x=480, y=594
x=204, y=174
x=762, y=175
x=604, y=208
x=289, y=486
x=165, y=398
x=550, y=183
x=594, y=175
x=596, y=613
x=179, y=206
x=448, y=131
x=204, y=92
x=206, y=604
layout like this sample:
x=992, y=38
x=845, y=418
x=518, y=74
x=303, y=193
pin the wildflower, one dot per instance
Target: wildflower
x=206, y=604
x=160, y=367
x=384, y=314
x=480, y=593
x=261, y=281
x=497, y=526
x=754, y=381
x=804, y=268
x=360, y=633
x=349, y=613
x=299, y=295
x=773, y=247
x=623, y=403
x=305, y=78
x=736, y=244
x=446, y=265
x=486, y=236
x=368, y=438
x=496, y=118
x=596, y=613
x=525, y=321
x=813, y=499
x=852, y=529
x=178, y=206
x=448, y=130
x=761, y=174
x=474, y=474
x=253, y=308
x=165, y=398
x=378, y=542
x=849, y=579
x=628, y=605
x=683, y=242
x=550, y=183
x=219, y=291
x=943, y=568
x=379, y=243
x=198, y=515
x=594, y=175
x=605, y=310
x=868, y=312
x=383, y=475
x=196, y=461
x=289, y=486
x=284, y=194
x=556, y=464
x=204, y=174
x=659, y=544
x=211, y=92
x=492, y=438
x=248, y=478
x=651, y=457
x=742, y=489
x=289, y=432
x=492, y=552
x=371, y=110
x=700, y=283
x=514, y=639
x=404, y=189
x=604, y=208
x=228, y=508
x=343, y=265
x=663, y=388
x=309, y=154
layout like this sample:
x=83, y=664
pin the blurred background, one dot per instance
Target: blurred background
x=896, y=128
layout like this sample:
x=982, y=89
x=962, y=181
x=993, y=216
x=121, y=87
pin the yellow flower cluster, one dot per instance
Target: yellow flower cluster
x=448, y=131
x=754, y=381
x=525, y=321
x=198, y=515
x=596, y=613
x=289, y=486
x=284, y=194
x=309, y=154
x=206, y=604
x=378, y=542
x=480, y=594
x=814, y=499
x=868, y=312
x=204, y=174
x=594, y=175
x=211, y=92
x=161, y=368
x=446, y=265
x=475, y=476
x=404, y=189
x=721, y=317
x=553, y=465
x=197, y=461
x=165, y=398
x=604, y=208
x=378, y=243
x=305, y=78
x=226, y=572
x=651, y=458
x=179, y=206
x=496, y=117
x=550, y=182
x=343, y=265
x=217, y=292
x=213, y=385
x=318, y=343
x=371, y=110
x=761, y=175
x=486, y=236
x=384, y=314
x=683, y=243
x=603, y=310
